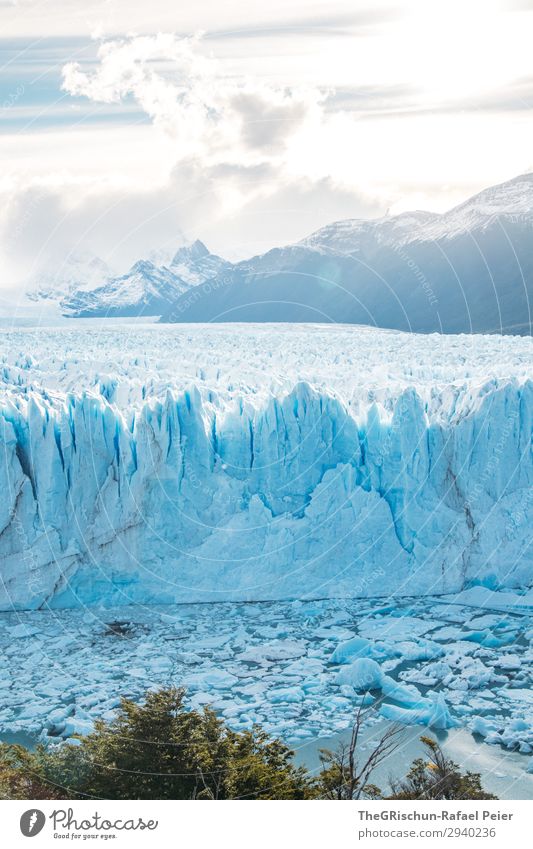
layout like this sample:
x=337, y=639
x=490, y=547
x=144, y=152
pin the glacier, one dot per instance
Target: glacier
x=155, y=465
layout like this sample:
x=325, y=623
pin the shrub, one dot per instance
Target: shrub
x=161, y=750
x=157, y=750
x=437, y=777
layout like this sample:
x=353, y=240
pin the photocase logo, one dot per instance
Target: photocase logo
x=32, y=822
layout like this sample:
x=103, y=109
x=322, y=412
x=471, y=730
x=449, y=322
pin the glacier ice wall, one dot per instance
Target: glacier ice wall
x=302, y=495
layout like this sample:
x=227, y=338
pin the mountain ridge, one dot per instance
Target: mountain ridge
x=469, y=269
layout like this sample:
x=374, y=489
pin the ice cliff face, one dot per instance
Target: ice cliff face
x=203, y=493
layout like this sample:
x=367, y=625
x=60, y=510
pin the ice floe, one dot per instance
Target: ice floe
x=285, y=665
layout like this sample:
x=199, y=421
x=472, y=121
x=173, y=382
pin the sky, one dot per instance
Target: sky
x=129, y=127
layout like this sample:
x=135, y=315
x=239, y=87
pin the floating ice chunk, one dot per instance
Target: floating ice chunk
x=449, y=632
x=23, y=630
x=403, y=693
x=488, y=620
x=218, y=679
x=482, y=726
x=362, y=674
x=356, y=647
x=363, y=699
x=419, y=650
x=188, y=657
x=286, y=694
x=396, y=627
x=429, y=675
x=484, y=597
x=509, y=661
x=282, y=650
x=304, y=666
x=440, y=716
x=434, y=714
x=79, y=723
x=212, y=642
x=518, y=694
x=488, y=640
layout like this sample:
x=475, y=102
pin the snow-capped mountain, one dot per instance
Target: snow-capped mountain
x=357, y=235
x=467, y=270
x=85, y=286
x=506, y=203
x=146, y=289
x=194, y=264
x=79, y=270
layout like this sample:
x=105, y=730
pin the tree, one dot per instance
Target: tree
x=344, y=775
x=437, y=777
x=159, y=750
x=19, y=777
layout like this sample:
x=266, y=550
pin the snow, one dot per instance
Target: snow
x=83, y=285
x=511, y=201
x=146, y=289
x=396, y=628
x=161, y=465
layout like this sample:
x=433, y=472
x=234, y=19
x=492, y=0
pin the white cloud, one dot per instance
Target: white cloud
x=211, y=116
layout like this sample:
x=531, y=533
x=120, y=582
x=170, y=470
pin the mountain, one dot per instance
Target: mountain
x=80, y=270
x=467, y=270
x=85, y=286
x=195, y=264
x=146, y=289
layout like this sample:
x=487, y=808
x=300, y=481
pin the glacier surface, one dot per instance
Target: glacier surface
x=239, y=463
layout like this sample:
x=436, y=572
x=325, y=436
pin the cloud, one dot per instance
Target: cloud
x=165, y=138
x=238, y=210
x=186, y=94
x=231, y=176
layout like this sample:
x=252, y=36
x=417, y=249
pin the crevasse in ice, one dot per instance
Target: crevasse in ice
x=199, y=495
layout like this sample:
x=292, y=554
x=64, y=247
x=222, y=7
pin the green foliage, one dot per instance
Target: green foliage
x=437, y=777
x=20, y=777
x=159, y=750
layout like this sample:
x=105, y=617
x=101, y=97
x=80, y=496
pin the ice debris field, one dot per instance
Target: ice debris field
x=245, y=463
x=297, y=668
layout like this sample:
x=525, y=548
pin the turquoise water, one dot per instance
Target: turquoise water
x=502, y=772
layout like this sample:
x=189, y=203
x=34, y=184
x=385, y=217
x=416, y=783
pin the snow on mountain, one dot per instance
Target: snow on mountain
x=469, y=270
x=79, y=270
x=194, y=264
x=144, y=290
x=147, y=289
x=201, y=464
x=507, y=201
x=356, y=234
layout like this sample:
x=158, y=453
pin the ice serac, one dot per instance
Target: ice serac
x=197, y=498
